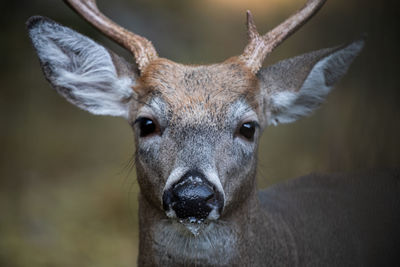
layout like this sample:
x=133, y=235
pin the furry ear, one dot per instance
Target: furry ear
x=293, y=88
x=81, y=70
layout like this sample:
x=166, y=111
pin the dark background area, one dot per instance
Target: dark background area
x=68, y=196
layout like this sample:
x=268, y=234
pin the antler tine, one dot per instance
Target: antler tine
x=142, y=49
x=260, y=46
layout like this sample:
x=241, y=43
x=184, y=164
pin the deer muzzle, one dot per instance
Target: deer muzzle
x=193, y=198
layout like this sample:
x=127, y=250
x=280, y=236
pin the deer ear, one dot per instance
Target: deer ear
x=82, y=71
x=293, y=88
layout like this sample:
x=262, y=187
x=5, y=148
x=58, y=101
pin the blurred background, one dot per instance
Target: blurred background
x=68, y=192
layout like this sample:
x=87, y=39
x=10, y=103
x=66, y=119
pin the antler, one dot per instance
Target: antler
x=260, y=46
x=141, y=48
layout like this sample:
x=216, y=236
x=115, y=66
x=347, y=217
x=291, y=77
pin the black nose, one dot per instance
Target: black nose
x=191, y=197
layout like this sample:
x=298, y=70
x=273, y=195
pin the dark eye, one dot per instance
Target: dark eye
x=146, y=127
x=248, y=129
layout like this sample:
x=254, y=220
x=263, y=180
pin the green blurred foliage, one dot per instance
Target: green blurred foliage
x=68, y=195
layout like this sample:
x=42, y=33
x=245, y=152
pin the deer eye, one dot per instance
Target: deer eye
x=247, y=130
x=147, y=126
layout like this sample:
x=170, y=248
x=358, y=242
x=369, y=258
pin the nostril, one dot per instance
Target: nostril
x=211, y=196
x=167, y=199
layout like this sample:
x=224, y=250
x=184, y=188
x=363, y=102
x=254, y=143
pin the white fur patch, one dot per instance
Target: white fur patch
x=293, y=105
x=212, y=177
x=81, y=70
x=174, y=177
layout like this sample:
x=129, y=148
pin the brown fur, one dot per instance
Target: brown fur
x=201, y=90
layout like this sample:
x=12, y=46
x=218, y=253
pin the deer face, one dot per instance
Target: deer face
x=196, y=127
x=193, y=125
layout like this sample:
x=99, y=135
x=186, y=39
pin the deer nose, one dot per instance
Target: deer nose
x=192, y=197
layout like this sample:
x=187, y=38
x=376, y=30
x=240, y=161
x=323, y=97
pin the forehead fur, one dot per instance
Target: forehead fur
x=202, y=90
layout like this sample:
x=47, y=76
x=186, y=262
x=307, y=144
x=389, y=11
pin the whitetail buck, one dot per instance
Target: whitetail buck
x=197, y=130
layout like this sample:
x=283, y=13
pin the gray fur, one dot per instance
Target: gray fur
x=349, y=219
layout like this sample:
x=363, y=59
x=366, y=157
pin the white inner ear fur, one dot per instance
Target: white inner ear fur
x=293, y=105
x=81, y=70
x=287, y=106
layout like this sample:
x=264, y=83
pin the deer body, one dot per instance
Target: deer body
x=196, y=133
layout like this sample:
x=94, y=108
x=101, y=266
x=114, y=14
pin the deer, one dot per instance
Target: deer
x=197, y=131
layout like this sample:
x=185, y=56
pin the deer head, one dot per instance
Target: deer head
x=196, y=127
